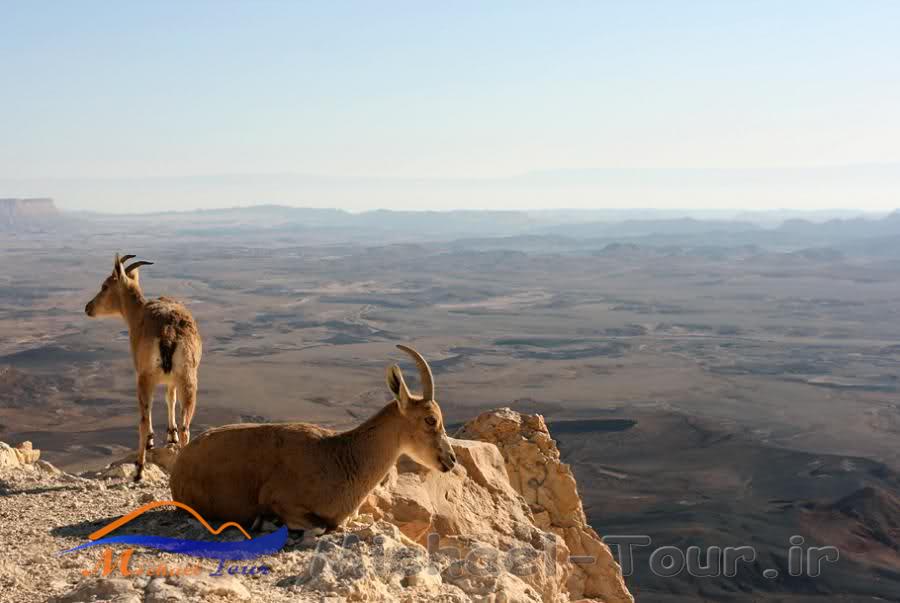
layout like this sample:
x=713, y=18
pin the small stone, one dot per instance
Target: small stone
x=159, y=591
x=222, y=586
x=47, y=468
x=99, y=589
x=426, y=578
x=126, y=471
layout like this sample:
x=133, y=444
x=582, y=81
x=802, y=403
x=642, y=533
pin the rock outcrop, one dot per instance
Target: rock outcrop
x=548, y=485
x=23, y=454
x=158, y=464
x=473, y=515
x=474, y=534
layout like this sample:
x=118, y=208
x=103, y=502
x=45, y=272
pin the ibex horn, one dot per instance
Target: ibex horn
x=137, y=265
x=425, y=375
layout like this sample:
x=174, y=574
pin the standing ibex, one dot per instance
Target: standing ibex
x=310, y=477
x=165, y=348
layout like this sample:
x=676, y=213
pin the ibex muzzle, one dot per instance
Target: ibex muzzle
x=425, y=440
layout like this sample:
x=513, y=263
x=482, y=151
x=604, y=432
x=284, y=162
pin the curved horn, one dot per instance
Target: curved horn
x=137, y=265
x=125, y=258
x=424, y=372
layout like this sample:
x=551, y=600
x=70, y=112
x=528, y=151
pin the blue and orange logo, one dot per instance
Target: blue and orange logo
x=247, y=548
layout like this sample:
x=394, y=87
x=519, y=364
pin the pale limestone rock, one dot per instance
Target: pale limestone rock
x=26, y=453
x=113, y=590
x=153, y=473
x=161, y=456
x=369, y=560
x=471, y=517
x=359, y=571
x=8, y=457
x=202, y=587
x=427, y=579
x=159, y=591
x=47, y=468
x=22, y=456
x=158, y=463
x=533, y=464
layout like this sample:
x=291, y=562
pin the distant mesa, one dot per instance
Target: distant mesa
x=16, y=214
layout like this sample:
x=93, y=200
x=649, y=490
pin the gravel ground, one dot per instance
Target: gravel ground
x=44, y=511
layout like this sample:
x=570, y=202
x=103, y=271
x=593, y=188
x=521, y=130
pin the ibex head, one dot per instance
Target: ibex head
x=423, y=437
x=109, y=299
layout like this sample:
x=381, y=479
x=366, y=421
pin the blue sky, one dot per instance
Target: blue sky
x=132, y=93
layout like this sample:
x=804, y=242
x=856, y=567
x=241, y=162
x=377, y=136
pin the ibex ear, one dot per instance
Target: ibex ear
x=397, y=386
x=118, y=269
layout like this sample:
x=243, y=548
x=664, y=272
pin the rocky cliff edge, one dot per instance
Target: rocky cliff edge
x=503, y=526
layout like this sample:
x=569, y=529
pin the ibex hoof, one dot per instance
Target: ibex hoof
x=149, y=441
x=172, y=436
x=139, y=473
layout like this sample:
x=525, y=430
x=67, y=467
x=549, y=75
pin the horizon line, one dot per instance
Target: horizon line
x=458, y=178
x=676, y=210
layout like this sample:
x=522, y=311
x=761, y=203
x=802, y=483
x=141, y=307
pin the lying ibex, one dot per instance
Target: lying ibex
x=165, y=348
x=312, y=478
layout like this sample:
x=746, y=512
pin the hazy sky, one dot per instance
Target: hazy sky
x=149, y=95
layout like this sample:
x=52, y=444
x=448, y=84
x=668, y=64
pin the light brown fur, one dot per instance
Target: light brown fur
x=309, y=476
x=163, y=335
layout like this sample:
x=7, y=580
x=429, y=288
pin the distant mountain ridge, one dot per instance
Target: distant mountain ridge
x=828, y=239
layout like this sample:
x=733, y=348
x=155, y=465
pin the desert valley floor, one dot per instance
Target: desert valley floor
x=705, y=394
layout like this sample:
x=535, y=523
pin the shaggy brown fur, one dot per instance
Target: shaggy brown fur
x=309, y=476
x=165, y=349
